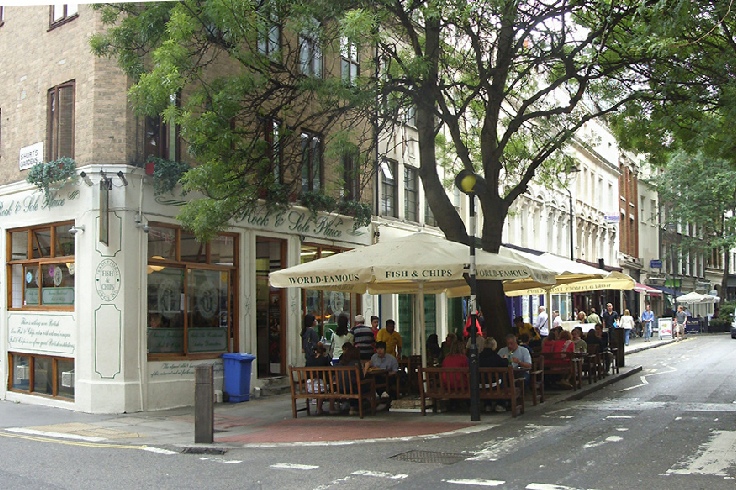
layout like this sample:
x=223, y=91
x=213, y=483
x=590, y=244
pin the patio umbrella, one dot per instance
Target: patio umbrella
x=694, y=298
x=419, y=263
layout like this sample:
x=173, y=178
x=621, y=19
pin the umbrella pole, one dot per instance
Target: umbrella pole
x=422, y=329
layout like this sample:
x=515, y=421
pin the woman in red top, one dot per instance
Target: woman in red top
x=455, y=359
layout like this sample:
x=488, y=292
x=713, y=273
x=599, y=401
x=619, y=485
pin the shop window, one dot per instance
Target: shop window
x=191, y=293
x=41, y=267
x=326, y=306
x=61, y=13
x=43, y=375
x=60, y=122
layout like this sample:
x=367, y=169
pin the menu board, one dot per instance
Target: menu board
x=665, y=328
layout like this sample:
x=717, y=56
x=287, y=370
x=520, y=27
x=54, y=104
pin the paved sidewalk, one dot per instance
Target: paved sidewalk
x=267, y=421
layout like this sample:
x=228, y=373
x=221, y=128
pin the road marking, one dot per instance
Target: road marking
x=492, y=450
x=59, y=435
x=620, y=417
x=600, y=443
x=545, y=486
x=718, y=455
x=221, y=460
x=35, y=438
x=380, y=474
x=293, y=466
x=477, y=482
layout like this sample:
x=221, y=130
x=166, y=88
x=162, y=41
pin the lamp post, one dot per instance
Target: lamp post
x=465, y=181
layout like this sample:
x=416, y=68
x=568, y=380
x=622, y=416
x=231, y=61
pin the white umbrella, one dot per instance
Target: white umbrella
x=694, y=298
x=419, y=263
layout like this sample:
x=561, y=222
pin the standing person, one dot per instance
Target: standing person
x=647, y=319
x=680, y=320
x=556, y=319
x=363, y=338
x=392, y=338
x=594, y=318
x=341, y=336
x=627, y=323
x=310, y=337
x=610, y=317
x=375, y=325
x=542, y=323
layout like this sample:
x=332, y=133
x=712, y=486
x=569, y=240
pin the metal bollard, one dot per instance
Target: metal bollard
x=204, y=407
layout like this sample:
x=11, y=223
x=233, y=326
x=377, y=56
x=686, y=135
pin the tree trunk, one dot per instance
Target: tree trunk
x=492, y=303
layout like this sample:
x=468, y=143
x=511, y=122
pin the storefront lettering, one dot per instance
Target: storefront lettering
x=43, y=334
x=182, y=369
x=301, y=222
x=35, y=202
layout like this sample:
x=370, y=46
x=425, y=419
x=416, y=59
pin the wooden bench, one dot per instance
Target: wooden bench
x=437, y=383
x=331, y=383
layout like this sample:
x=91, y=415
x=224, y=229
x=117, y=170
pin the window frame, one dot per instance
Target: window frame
x=2, y=15
x=411, y=193
x=311, y=58
x=269, y=33
x=65, y=17
x=349, y=61
x=163, y=134
x=351, y=176
x=175, y=262
x=53, y=257
x=53, y=125
x=55, y=371
x=312, y=165
x=389, y=188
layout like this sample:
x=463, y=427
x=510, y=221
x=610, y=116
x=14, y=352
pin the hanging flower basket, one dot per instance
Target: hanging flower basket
x=48, y=176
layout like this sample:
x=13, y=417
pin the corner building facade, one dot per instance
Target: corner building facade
x=107, y=304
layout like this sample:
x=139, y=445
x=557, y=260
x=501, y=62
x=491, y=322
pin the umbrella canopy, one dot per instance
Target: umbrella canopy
x=694, y=298
x=566, y=271
x=405, y=265
x=612, y=280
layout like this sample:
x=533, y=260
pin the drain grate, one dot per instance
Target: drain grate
x=429, y=457
x=203, y=450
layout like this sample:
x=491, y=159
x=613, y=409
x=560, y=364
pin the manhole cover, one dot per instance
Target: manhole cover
x=429, y=457
x=664, y=398
x=203, y=450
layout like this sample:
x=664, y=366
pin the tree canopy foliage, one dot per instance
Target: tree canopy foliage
x=500, y=87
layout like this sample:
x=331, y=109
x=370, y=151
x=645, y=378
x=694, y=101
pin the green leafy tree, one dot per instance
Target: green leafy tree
x=499, y=88
x=685, y=125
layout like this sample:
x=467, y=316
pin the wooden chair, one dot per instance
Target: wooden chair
x=592, y=365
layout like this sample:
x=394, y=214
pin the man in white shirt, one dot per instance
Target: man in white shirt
x=542, y=323
x=556, y=319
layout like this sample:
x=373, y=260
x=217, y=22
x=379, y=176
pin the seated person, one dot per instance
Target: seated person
x=524, y=342
x=446, y=345
x=489, y=357
x=517, y=355
x=563, y=349
x=387, y=362
x=320, y=358
x=433, y=349
x=577, y=339
x=455, y=358
x=347, y=383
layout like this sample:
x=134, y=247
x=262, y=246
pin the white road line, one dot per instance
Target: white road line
x=600, y=443
x=380, y=474
x=718, y=455
x=476, y=482
x=58, y=435
x=495, y=449
x=293, y=466
x=221, y=460
x=545, y=486
x=620, y=417
x=158, y=450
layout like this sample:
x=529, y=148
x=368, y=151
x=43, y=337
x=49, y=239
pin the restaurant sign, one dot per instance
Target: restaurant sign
x=39, y=333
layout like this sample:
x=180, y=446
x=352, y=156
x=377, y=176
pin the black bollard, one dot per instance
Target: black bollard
x=204, y=406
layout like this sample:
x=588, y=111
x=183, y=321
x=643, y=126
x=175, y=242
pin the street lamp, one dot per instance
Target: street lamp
x=465, y=181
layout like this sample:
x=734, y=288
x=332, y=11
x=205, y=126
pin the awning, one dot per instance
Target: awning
x=666, y=290
x=643, y=288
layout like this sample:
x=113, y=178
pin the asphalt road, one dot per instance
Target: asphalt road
x=673, y=426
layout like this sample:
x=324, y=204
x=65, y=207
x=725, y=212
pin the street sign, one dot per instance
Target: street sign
x=655, y=264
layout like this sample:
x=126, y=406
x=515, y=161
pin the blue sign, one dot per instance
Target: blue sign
x=655, y=264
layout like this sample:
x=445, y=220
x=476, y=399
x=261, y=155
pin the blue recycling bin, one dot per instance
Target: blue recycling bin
x=237, y=376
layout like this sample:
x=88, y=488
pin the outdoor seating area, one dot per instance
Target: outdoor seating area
x=335, y=384
x=495, y=384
